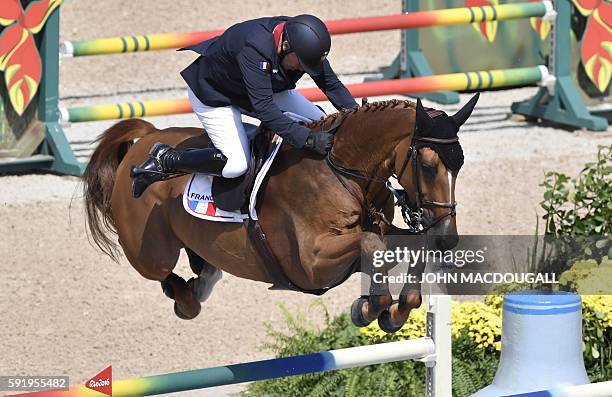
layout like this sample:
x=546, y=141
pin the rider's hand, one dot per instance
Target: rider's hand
x=319, y=142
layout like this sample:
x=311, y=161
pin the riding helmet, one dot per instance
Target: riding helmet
x=309, y=38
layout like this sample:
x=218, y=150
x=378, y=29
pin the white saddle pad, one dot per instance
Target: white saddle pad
x=198, y=200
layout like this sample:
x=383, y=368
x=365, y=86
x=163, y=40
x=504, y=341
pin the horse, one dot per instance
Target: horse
x=318, y=213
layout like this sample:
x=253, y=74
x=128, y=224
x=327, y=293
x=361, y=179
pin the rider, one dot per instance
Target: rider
x=251, y=68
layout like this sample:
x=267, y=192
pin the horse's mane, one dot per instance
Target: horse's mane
x=367, y=107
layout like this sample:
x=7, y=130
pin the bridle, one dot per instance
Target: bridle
x=413, y=217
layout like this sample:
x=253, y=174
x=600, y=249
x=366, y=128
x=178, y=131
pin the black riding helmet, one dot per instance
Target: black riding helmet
x=309, y=38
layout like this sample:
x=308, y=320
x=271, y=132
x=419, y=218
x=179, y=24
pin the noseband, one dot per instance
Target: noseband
x=412, y=217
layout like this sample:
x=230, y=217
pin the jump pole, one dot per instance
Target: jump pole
x=411, y=61
x=423, y=19
x=434, y=351
x=484, y=79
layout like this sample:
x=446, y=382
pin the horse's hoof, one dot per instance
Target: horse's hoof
x=385, y=323
x=181, y=315
x=357, y=313
x=380, y=302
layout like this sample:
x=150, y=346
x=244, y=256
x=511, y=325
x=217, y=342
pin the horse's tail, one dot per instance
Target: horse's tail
x=99, y=179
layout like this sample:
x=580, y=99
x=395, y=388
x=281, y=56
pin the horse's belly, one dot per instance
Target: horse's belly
x=224, y=245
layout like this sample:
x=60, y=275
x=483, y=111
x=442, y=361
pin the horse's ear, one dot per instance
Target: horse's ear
x=423, y=121
x=462, y=115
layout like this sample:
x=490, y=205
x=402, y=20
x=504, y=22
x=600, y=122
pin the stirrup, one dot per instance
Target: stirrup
x=143, y=178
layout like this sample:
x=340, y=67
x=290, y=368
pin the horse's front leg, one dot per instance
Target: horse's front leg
x=368, y=308
x=334, y=253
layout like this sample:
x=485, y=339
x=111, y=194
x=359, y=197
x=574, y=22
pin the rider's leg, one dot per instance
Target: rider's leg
x=226, y=131
x=294, y=102
x=229, y=157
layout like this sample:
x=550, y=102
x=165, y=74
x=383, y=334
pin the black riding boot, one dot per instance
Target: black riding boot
x=164, y=160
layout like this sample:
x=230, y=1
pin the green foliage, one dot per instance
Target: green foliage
x=585, y=208
x=582, y=206
x=597, y=336
x=472, y=375
x=476, y=331
x=588, y=277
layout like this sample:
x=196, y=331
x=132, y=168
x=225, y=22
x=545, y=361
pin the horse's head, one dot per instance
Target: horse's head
x=426, y=165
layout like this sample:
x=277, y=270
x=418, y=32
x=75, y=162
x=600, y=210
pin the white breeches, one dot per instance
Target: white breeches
x=225, y=129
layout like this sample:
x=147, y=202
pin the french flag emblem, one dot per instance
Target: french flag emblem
x=264, y=66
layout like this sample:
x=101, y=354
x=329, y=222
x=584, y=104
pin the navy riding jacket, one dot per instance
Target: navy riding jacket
x=242, y=68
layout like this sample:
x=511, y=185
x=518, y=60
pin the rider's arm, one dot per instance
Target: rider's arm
x=333, y=88
x=256, y=75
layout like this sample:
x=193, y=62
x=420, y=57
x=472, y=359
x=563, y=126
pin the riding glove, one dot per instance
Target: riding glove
x=320, y=142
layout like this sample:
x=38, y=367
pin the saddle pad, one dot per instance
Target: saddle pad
x=198, y=200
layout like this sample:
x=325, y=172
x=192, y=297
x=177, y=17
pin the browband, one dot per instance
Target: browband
x=436, y=140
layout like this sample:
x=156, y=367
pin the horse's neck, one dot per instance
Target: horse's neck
x=367, y=139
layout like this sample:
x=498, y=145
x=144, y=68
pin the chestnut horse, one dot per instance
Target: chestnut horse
x=318, y=215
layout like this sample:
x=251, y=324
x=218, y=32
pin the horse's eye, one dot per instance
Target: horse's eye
x=429, y=172
x=429, y=168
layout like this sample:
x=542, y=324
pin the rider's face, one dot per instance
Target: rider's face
x=291, y=62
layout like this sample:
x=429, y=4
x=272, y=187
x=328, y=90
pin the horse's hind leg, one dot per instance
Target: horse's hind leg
x=153, y=250
x=186, y=306
x=188, y=295
x=208, y=276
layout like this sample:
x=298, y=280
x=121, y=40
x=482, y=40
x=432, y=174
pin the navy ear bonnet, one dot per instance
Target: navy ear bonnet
x=436, y=124
x=442, y=126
